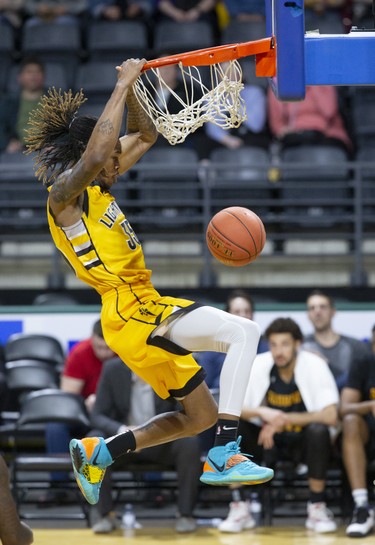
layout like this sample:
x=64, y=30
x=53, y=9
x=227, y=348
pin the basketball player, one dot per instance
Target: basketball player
x=80, y=159
x=12, y=530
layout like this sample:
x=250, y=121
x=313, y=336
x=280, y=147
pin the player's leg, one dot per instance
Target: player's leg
x=210, y=329
x=204, y=328
x=92, y=455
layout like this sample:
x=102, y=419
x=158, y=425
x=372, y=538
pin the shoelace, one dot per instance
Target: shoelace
x=236, y=456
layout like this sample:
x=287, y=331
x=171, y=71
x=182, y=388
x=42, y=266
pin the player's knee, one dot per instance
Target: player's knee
x=207, y=419
x=242, y=331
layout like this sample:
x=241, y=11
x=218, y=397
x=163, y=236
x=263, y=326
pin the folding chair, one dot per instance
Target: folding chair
x=39, y=408
x=36, y=346
x=240, y=178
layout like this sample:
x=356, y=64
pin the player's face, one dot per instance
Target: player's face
x=241, y=307
x=320, y=312
x=109, y=173
x=284, y=349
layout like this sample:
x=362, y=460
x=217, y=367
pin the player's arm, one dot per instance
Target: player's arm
x=12, y=530
x=71, y=183
x=328, y=416
x=140, y=135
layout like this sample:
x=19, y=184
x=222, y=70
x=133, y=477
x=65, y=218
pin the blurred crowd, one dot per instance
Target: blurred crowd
x=324, y=117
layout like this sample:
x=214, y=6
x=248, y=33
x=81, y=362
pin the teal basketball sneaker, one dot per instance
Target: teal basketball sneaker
x=90, y=458
x=228, y=465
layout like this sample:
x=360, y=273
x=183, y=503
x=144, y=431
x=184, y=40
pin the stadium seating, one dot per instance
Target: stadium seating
x=115, y=41
x=239, y=176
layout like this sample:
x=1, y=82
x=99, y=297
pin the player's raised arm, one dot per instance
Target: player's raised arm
x=102, y=141
x=141, y=133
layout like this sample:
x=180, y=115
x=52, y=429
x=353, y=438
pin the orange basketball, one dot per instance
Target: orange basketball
x=235, y=236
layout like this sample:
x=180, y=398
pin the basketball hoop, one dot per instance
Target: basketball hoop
x=217, y=100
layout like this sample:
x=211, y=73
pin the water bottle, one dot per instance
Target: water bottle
x=128, y=517
x=255, y=504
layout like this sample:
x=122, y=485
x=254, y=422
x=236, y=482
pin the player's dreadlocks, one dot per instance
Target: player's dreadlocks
x=56, y=134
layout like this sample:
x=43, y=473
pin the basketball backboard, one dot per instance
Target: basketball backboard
x=312, y=58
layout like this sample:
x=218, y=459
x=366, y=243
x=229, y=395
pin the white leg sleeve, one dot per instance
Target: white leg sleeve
x=211, y=329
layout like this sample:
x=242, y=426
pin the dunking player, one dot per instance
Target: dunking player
x=80, y=158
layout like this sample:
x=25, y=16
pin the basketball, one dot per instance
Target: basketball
x=235, y=236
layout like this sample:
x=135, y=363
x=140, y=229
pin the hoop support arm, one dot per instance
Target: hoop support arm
x=215, y=55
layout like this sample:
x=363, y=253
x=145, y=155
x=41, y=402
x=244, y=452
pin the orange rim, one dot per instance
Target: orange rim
x=215, y=55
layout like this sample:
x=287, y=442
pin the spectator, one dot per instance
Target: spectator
x=339, y=350
x=15, y=108
x=11, y=13
x=124, y=401
x=54, y=11
x=245, y=10
x=117, y=10
x=253, y=131
x=290, y=412
x=358, y=440
x=188, y=11
x=315, y=120
x=373, y=339
x=80, y=375
x=12, y=530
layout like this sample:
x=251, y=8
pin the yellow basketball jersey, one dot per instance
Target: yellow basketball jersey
x=101, y=247
x=105, y=253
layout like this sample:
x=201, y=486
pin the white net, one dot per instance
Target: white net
x=217, y=100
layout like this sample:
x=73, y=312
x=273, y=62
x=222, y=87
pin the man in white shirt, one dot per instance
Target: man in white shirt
x=290, y=411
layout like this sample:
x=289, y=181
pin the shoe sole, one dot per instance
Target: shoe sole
x=358, y=534
x=217, y=480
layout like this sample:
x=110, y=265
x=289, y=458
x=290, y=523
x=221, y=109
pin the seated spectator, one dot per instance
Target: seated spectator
x=290, y=413
x=188, y=11
x=54, y=11
x=125, y=401
x=338, y=350
x=15, y=108
x=12, y=530
x=245, y=10
x=357, y=411
x=118, y=10
x=253, y=131
x=315, y=120
x=80, y=375
x=11, y=13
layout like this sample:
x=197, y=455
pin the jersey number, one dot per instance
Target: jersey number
x=132, y=237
